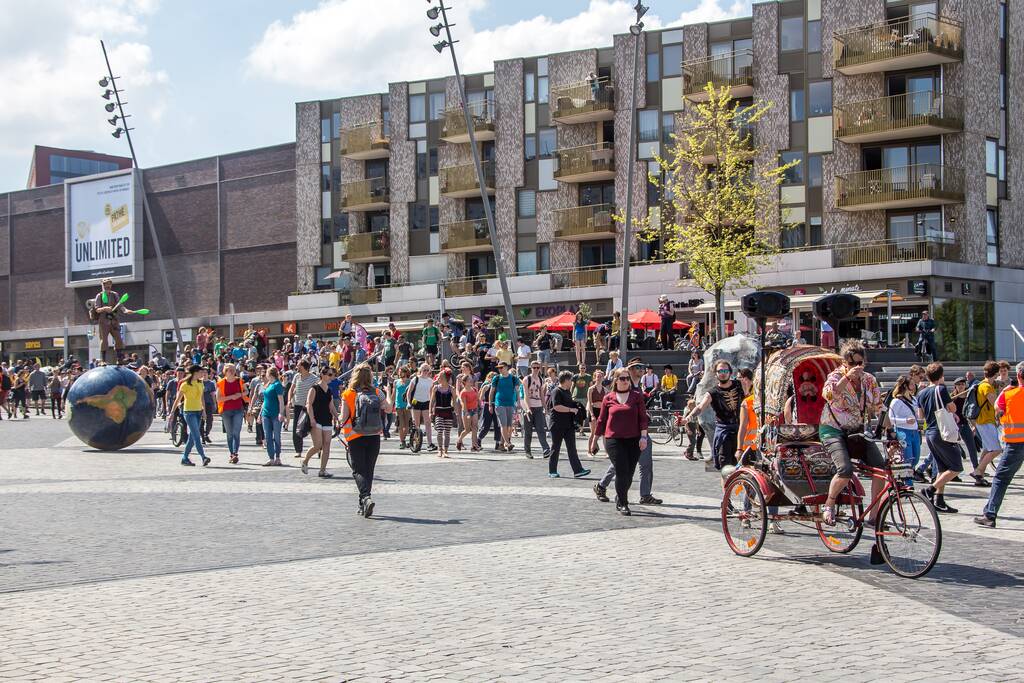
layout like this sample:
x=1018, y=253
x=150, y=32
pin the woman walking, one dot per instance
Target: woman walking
x=362, y=426
x=579, y=338
x=595, y=395
x=489, y=420
x=190, y=397
x=469, y=400
x=231, y=406
x=418, y=395
x=623, y=425
x=256, y=388
x=442, y=411
x=563, y=427
x=322, y=418
x=56, y=389
x=272, y=415
x=903, y=414
x=402, y=405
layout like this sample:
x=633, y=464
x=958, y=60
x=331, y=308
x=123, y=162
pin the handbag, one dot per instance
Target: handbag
x=302, y=428
x=949, y=430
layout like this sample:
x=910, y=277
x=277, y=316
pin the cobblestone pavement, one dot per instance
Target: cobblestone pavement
x=127, y=566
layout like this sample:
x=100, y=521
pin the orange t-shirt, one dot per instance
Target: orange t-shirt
x=470, y=399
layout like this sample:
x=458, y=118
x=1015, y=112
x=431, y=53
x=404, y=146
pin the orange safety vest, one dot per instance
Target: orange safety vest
x=1013, y=418
x=749, y=438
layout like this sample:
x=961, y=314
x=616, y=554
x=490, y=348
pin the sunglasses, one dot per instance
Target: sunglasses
x=855, y=363
x=622, y=379
x=722, y=371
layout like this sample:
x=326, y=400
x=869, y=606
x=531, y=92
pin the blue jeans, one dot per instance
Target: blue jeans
x=272, y=436
x=1013, y=457
x=232, y=421
x=193, y=419
x=967, y=436
x=911, y=441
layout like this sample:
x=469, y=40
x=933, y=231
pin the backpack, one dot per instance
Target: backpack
x=5, y=381
x=972, y=409
x=368, y=421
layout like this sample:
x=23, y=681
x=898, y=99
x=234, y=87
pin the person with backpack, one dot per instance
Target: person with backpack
x=504, y=396
x=535, y=397
x=968, y=439
x=362, y=409
x=981, y=404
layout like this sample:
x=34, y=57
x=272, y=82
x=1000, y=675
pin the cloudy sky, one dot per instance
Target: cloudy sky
x=203, y=78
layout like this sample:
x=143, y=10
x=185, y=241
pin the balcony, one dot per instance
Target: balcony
x=585, y=223
x=584, y=277
x=733, y=70
x=902, y=187
x=905, y=43
x=360, y=297
x=365, y=195
x=465, y=288
x=461, y=181
x=912, y=115
x=895, y=251
x=481, y=115
x=367, y=247
x=586, y=163
x=368, y=141
x=467, y=236
x=710, y=157
x=583, y=102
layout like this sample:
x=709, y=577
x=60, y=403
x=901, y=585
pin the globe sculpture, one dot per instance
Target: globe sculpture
x=111, y=408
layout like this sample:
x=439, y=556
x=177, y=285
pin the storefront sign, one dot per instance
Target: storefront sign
x=186, y=336
x=918, y=287
x=289, y=328
x=58, y=342
x=332, y=325
x=102, y=236
x=33, y=344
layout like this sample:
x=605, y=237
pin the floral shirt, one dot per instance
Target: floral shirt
x=846, y=405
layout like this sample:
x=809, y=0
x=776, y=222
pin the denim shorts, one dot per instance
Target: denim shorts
x=505, y=415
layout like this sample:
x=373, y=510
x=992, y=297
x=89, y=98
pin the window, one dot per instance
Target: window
x=668, y=127
x=647, y=125
x=795, y=174
x=597, y=253
x=417, y=109
x=546, y=142
x=814, y=36
x=820, y=98
x=653, y=66
x=326, y=230
x=336, y=125
x=421, y=158
x=436, y=106
x=434, y=216
x=336, y=176
x=791, y=33
x=991, y=157
x=530, y=147
x=542, y=89
x=543, y=257
x=920, y=225
x=1002, y=164
x=815, y=236
x=796, y=104
x=379, y=221
x=592, y=194
x=432, y=161
x=340, y=225
x=529, y=87
x=381, y=275
x=325, y=130
x=527, y=203
x=992, y=236
x=793, y=236
x=325, y=178
x=526, y=262
x=419, y=216
x=814, y=170
x=480, y=265
x=672, y=60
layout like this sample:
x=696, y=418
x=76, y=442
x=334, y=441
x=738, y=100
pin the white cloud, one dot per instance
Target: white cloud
x=51, y=63
x=353, y=46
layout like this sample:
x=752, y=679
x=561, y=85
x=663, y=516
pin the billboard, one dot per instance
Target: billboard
x=103, y=228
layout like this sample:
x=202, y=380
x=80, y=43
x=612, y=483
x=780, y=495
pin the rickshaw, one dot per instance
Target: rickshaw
x=787, y=478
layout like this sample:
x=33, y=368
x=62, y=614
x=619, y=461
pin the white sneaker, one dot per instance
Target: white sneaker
x=775, y=528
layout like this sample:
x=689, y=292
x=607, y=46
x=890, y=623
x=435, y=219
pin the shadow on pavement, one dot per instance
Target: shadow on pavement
x=417, y=520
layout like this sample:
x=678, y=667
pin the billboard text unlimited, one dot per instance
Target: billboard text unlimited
x=117, y=247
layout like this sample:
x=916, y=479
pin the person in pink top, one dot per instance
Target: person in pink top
x=622, y=423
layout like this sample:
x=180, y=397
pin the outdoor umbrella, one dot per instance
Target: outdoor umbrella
x=647, y=319
x=562, y=322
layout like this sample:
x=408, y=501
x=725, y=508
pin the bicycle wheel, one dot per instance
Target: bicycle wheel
x=908, y=534
x=659, y=430
x=744, y=516
x=416, y=440
x=179, y=433
x=844, y=535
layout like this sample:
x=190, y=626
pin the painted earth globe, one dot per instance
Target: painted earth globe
x=111, y=408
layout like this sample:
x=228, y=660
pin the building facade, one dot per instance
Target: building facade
x=53, y=165
x=905, y=118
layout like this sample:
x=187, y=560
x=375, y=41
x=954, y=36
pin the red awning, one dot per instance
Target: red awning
x=647, y=319
x=562, y=322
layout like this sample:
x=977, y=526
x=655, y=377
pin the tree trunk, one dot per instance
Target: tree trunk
x=720, y=311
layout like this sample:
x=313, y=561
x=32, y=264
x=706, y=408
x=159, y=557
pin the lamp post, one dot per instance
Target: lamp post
x=636, y=30
x=449, y=43
x=111, y=80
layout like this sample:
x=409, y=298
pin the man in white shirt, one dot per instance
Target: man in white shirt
x=523, y=358
x=535, y=394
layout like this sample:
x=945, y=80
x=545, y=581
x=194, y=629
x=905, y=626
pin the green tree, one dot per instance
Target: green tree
x=720, y=211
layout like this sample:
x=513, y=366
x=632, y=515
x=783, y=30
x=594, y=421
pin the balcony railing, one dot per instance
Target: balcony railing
x=734, y=70
x=367, y=141
x=586, y=163
x=899, y=187
x=365, y=195
x=583, y=277
x=709, y=155
x=466, y=236
x=908, y=42
x=461, y=181
x=365, y=247
x=895, y=251
x=585, y=222
x=361, y=297
x=915, y=114
x=465, y=287
x=481, y=114
x=590, y=100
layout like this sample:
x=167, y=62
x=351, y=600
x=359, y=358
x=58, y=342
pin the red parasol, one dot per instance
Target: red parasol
x=647, y=319
x=562, y=322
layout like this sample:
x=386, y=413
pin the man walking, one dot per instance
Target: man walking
x=646, y=461
x=505, y=391
x=37, y=388
x=534, y=399
x=1010, y=411
x=985, y=424
x=298, y=390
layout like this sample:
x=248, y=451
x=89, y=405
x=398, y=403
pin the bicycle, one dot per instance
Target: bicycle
x=178, y=429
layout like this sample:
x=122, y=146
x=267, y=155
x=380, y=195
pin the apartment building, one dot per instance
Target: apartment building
x=905, y=116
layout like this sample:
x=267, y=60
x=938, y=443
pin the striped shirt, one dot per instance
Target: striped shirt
x=302, y=387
